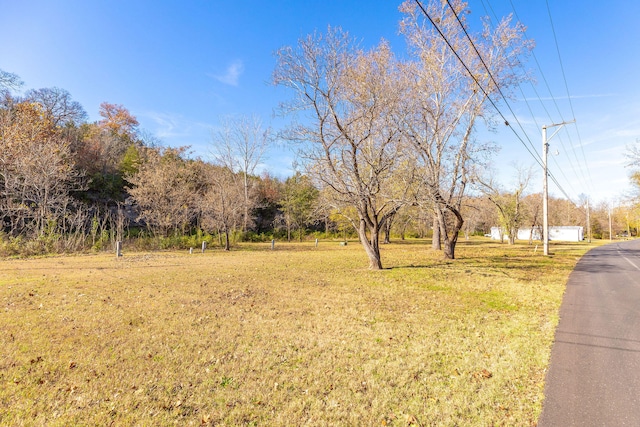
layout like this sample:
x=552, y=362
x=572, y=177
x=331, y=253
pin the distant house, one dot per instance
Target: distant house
x=566, y=233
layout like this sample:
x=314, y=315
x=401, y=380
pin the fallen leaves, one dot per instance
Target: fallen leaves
x=482, y=374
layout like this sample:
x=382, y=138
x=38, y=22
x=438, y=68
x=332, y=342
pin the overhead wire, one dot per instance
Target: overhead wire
x=524, y=97
x=575, y=167
x=566, y=85
x=542, y=104
x=539, y=98
x=535, y=156
x=537, y=95
x=490, y=74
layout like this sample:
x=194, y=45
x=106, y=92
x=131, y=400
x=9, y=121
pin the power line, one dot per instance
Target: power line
x=555, y=181
x=574, y=167
x=524, y=97
x=555, y=38
x=535, y=156
x=506, y=122
x=504, y=98
x=553, y=178
x=542, y=104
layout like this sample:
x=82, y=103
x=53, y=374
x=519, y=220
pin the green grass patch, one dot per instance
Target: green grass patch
x=299, y=335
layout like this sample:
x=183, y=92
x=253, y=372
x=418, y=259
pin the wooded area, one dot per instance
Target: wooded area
x=387, y=146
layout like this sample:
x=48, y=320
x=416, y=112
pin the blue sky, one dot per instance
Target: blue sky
x=179, y=66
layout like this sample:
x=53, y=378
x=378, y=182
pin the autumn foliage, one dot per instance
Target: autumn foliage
x=388, y=144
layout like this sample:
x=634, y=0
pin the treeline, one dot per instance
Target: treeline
x=387, y=144
x=67, y=184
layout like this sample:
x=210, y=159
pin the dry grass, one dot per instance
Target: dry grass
x=296, y=336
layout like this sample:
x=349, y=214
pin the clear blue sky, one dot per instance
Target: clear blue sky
x=179, y=66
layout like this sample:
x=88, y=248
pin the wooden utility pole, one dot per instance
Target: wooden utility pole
x=545, y=185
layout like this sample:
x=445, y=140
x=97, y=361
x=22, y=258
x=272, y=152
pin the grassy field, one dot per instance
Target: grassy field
x=295, y=336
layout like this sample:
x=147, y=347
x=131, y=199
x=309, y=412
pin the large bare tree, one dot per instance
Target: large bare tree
x=350, y=137
x=240, y=145
x=446, y=103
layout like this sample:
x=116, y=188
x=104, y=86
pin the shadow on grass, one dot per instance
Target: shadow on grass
x=412, y=267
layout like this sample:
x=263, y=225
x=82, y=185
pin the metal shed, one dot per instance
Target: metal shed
x=566, y=233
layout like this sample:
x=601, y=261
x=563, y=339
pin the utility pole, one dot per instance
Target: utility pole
x=545, y=184
x=588, y=223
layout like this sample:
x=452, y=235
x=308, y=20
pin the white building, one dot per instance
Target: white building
x=566, y=233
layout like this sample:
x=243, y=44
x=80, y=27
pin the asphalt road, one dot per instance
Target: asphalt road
x=594, y=374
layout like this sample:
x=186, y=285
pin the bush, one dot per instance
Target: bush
x=102, y=242
x=252, y=236
x=142, y=241
x=9, y=245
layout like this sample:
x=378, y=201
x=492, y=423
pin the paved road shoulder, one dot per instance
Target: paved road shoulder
x=594, y=373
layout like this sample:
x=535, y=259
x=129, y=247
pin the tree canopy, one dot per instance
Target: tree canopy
x=384, y=142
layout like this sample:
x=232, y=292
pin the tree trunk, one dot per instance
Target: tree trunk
x=449, y=249
x=435, y=241
x=387, y=231
x=245, y=219
x=450, y=237
x=227, y=245
x=371, y=246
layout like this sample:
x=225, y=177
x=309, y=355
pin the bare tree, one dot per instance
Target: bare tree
x=36, y=170
x=222, y=203
x=479, y=214
x=632, y=155
x=240, y=146
x=350, y=142
x=9, y=81
x=533, y=208
x=446, y=102
x=58, y=105
x=510, y=206
x=164, y=190
x=387, y=228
